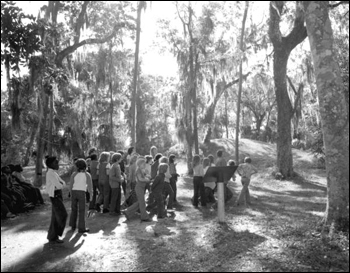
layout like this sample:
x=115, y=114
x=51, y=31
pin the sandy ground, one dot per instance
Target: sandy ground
x=270, y=235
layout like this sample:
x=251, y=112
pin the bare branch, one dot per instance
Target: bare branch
x=332, y=6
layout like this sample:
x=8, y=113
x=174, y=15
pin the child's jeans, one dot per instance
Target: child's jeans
x=244, y=195
x=115, y=200
x=78, y=210
x=199, y=189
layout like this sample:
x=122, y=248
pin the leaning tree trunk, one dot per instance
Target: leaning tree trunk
x=333, y=109
x=44, y=99
x=240, y=82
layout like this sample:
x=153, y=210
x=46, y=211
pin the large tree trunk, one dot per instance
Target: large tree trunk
x=242, y=47
x=283, y=46
x=44, y=100
x=284, y=113
x=333, y=109
x=136, y=66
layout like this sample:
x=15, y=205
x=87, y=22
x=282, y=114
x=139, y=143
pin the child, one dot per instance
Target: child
x=198, y=185
x=154, y=167
x=227, y=192
x=168, y=191
x=209, y=186
x=140, y=193
x=80, y=181
x=153, y=152
x=220, y=161
x=115, y=180
x=132, y=174
x=245, y=170
x=94, y=177
x=157, y=191
x=149, y=162
x=54, y=186
x=103, y=182
x=212, y=159
x=174, y=175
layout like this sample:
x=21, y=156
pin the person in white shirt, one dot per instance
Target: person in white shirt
x=80, y=181
x=54, y=186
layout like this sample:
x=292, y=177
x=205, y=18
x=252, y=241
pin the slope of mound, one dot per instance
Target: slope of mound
x=262, y=153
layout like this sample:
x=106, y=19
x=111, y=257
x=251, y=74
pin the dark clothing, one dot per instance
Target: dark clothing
x=199, y=190
x=173, y=181
x=106, y=194
x=78, y=210
x=115, y=200
x=4, y=209
x=158, y=183
x=94, y=193
x=154, y=169
x=58, y=217
x=168, y=191
x=158, y=197
x=8, y=202
x=122, y=166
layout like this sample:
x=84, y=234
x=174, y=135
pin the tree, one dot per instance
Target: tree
x=20, y=41
x=283, y=46
x=140, y=5
x=241, y=46
x=259, y=98
x=333, y=109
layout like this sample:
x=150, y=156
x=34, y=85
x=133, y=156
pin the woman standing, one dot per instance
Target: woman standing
x=54, y=186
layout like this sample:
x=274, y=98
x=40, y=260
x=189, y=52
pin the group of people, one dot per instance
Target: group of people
x=103, y=178
x=100, y=179
x=204, y=192
x=17, y=194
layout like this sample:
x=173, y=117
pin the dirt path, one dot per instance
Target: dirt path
x=277, y=233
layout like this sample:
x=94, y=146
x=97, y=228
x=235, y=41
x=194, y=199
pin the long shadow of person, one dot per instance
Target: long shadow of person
x=50, y=253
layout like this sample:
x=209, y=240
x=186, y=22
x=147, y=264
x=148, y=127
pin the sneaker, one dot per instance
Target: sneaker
x=84, y=230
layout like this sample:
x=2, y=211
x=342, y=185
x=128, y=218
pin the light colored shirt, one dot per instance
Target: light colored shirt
x=53, y=182
x=198, y=170
x=148, y=169
x=167, y=176
x=246, y=170
x=80, y=181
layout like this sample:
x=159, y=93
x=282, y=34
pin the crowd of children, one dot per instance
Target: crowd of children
x=100, y=180
x=17, y=194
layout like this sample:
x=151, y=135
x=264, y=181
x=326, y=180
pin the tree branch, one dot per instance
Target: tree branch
x=275, y=34
x=332, y=6
x=297, y=93
x=80, y=21
x=298, y=33
x=62, y=54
